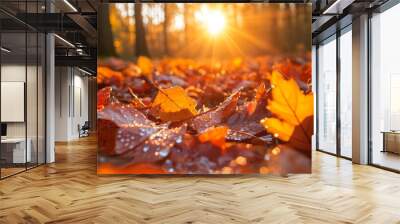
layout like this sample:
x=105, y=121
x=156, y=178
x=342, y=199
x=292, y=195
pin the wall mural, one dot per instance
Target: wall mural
x=204, y=88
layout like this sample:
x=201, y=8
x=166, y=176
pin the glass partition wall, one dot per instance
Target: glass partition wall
x=345, y=92
x=385, y=89
x=22, y=77
x=334, y=93
x=327, y=96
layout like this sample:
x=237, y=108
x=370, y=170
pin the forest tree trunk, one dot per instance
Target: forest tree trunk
x=165, y=29
x=185, y=19
x=141, y=45
x=105, y=35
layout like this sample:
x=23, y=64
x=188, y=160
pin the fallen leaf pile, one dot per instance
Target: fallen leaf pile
x=248, y=115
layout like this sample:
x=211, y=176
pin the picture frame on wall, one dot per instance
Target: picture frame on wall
x=204, y=88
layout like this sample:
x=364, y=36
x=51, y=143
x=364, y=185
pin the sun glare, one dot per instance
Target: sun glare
x=213, y=20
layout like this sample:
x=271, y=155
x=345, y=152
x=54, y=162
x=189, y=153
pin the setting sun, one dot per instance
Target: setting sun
x=213, y=20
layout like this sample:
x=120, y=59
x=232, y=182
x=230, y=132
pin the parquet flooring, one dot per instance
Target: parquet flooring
x=69, y=191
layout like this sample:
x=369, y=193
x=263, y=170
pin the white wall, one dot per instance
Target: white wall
x=62, y=82
x=71, y=102
x=80, y=110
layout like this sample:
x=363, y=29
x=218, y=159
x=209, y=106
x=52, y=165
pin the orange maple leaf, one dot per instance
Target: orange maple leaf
x=173, y=104
x=146, y=66
x=252, y=105
x=292, y=111
x=215, y=135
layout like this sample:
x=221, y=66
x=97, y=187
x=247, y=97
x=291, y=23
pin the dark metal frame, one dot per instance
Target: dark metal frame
x=44, y=70
x=338, y=94
x=369, y=90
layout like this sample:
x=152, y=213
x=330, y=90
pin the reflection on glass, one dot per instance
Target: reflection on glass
x=14, y=153
x=41, y=99
x=385, y=86
x=22, y=91
x=31, y=97
x=346, y=94
x=327, y=96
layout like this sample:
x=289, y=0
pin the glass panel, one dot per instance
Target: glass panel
x=31, y=97
x=22, y=89
x=41, y=98
x=31, y=88
x=346, y=94
x=13, y=86
x=327, y=96
x=314, y=89
x=385, y=84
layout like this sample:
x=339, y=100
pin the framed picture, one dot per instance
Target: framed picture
x=204, y=88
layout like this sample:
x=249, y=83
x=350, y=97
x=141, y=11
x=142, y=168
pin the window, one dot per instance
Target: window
x=346, y=93
x=327, y=96
x=385, y=89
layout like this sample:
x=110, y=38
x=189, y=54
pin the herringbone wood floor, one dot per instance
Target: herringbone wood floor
x=69, y=191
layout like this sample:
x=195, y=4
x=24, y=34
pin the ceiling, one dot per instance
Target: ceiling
x=331, y=15
x=74, y=22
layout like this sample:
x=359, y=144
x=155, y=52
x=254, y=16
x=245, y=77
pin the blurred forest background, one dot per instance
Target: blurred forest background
x=203, y=30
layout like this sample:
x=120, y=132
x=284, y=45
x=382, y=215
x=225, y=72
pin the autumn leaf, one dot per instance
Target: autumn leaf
x=122, y=128
x=260, y=92
x=156, y=146
x=182, y=116
x=126, y=132
x=103, y=97
x=173, y=104
x=300, y=72
x=216, y=116
x=244, y=125
x=215, y=135
x=292, y=111
x=107, y=76
x=132, y=70
x=146, y=66
x=193, y=156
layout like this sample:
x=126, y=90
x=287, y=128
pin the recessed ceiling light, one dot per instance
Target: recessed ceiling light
x=65, y=41
x=5, y=50
x=70, y=5
x=337, y=7
x=84, y=71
